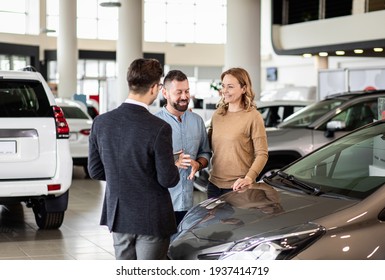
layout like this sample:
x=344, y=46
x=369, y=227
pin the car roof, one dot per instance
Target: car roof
x=261, y=104
x=20, y=75
x=63, y=102
x=354, y=94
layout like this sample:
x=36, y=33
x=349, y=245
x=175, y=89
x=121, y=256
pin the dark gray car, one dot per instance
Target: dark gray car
x=329, y=204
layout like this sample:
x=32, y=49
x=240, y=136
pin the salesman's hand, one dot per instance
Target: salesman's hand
x=194, y=169
x=184, y=161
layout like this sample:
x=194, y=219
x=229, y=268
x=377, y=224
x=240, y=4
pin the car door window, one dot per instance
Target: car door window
x=358, y=115
x=311, y=113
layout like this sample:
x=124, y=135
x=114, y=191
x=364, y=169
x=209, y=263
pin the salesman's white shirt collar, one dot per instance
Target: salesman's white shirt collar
x=132, y=101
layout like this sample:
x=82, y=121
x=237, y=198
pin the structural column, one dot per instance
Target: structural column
x=129, y=44
x=321, y=62
x=67, y=49
x=243, y=39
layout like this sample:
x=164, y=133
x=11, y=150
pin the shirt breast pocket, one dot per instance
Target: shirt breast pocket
x=192, y=146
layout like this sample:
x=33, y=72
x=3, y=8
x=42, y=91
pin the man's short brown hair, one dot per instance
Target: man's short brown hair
x=142, y=74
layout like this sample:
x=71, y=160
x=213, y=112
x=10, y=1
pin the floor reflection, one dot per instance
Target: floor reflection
x=79, y=238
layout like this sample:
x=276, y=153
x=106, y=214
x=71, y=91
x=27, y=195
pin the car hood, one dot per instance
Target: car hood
x=259, y=210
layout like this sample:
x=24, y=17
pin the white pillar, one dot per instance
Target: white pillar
x=243, y=39
x=321, y=62
x=129, y=44
x=67, y=49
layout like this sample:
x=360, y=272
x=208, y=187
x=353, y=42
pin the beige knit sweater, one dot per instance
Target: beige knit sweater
x=239, y=145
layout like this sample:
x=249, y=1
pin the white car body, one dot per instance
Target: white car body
x=35, y=160
x=80, y=126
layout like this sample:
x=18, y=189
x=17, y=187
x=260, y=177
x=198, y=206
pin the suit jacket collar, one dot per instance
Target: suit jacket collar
x=132, y=101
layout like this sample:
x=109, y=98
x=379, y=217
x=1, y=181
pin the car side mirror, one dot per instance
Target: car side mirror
x=333, y=126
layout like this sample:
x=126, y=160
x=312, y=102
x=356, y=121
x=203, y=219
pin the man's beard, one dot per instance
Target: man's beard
x=181, y=108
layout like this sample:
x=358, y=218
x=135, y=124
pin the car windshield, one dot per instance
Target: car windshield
x=74, y=113
x=311, y=113
x=351, y=167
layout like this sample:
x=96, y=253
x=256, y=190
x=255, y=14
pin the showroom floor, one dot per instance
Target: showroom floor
x=79, y=238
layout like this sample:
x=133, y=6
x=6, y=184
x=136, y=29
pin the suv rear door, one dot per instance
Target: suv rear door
x=27, y=131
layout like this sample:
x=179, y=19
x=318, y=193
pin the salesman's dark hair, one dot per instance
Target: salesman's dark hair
x=142, y=74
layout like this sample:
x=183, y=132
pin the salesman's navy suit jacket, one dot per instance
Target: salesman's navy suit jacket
x=131, y=149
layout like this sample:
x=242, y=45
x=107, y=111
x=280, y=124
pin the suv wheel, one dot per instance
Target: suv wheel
x=45, y=219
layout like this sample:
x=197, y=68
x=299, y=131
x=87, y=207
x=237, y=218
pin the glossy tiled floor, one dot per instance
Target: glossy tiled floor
x=79, y=238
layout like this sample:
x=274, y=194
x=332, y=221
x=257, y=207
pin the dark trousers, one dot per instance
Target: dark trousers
x=213, y=191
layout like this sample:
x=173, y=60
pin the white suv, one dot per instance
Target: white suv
x=35, y=159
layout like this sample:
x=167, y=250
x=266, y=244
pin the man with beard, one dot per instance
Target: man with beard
x=189, y=139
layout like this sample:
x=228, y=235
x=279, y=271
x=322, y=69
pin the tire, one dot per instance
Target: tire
x=47, y=220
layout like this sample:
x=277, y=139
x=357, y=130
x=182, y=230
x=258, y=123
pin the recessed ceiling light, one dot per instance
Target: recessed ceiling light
x=378, y=49
x=323, y=54
x=340, y=52
x=358, y=51
x=307, y=55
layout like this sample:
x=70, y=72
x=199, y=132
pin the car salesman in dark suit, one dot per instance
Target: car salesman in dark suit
x=131, y=149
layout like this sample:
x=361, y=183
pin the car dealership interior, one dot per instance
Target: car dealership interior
x=298, y=54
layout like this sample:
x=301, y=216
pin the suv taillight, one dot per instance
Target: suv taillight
x=62, y=128
x=85, y=132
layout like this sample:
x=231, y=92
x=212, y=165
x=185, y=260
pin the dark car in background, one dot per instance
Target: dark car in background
x=328, y=205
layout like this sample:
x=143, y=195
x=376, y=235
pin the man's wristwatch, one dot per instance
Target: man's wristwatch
x=200, y=165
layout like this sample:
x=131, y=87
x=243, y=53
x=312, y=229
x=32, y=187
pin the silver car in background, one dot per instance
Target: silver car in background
x=318, y=124
x=327, y=205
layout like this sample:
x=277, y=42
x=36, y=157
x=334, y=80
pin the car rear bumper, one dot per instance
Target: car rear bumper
x=35, y=187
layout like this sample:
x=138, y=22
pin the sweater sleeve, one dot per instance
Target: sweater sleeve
x=259, y=138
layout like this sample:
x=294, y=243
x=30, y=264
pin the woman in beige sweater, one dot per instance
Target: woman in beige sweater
x=237, y=136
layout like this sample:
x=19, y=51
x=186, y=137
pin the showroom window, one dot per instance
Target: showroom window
x=23, y=14
x=91, y=74
x=13, y=62
x=185, y=21
x=175, y=21
x=93, y=21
